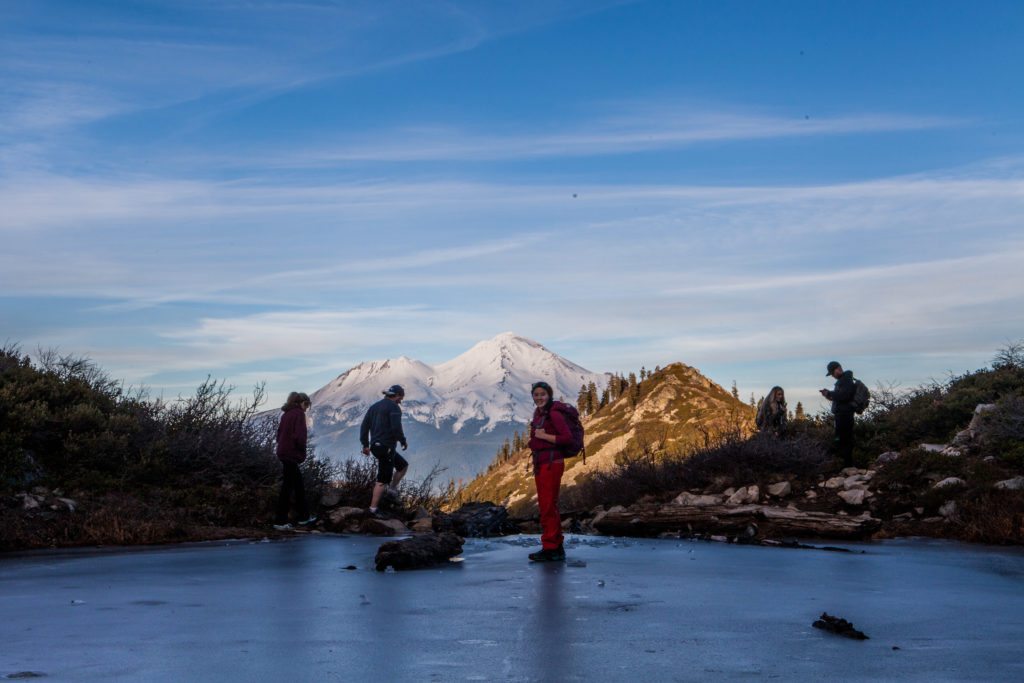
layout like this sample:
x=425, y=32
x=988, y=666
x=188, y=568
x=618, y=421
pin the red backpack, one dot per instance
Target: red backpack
x=572, y=420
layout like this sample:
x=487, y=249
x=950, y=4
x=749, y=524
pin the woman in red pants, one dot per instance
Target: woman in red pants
x=548, y=431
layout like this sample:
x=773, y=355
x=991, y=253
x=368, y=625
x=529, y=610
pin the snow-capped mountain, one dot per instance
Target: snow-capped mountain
x=456, y=414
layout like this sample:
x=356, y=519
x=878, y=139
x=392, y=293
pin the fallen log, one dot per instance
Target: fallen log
x=742, y=520
x=420, y=551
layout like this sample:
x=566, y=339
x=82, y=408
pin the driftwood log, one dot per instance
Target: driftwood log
x=743, y=520
x=417, y=552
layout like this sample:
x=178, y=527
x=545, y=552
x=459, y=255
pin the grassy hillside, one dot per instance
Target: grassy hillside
x=676, y=409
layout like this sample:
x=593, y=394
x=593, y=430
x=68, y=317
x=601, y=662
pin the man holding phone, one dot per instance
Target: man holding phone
x=842, y=395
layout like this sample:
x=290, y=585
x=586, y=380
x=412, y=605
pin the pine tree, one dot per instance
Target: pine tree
x=753, y=401
x=735, y=391
x=581, y=400
x=592, y=399
x=799, y=415
x=604, y=397
x=633, y=389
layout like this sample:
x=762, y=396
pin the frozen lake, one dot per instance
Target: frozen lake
x=639, y=610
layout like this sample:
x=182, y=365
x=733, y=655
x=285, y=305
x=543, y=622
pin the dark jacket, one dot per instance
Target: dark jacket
x=382, y=424
x=771, y=414
x=291, y=435
x=842, y=394
x=552, y=422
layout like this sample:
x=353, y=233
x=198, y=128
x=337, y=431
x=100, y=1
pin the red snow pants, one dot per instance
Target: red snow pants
x=548, y=477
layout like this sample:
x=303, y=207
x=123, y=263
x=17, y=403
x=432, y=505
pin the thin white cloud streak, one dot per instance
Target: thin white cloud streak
x=593, y=139
x=42, y=200
x=871, y=310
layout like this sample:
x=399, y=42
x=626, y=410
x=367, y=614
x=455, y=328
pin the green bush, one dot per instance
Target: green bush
x=64, y=423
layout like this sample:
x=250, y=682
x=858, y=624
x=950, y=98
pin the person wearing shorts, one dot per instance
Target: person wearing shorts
x=380, y=434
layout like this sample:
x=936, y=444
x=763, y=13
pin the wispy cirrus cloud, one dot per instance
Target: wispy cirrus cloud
x=672, y=128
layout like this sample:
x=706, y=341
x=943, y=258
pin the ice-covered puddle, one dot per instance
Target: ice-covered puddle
x=620, y=610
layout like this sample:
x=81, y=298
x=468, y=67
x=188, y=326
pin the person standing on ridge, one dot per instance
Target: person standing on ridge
x=548, y=430
x=771, y=414
x=291, y=451
x=843, y=408
x=380, y=433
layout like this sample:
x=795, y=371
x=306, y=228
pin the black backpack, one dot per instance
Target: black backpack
x=861, y=397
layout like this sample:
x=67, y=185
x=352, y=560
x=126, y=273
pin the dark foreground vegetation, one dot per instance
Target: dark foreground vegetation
x=84, y=461
x=905, y=479
x=94, y=463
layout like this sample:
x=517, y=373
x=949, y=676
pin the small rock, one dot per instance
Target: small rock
x=1015, y=484
x=811, y=495
x=933, y=520
x=948, y=482
x=948, y=509
x=834, y=482
x=690, y=499
x=424, y=525
x=729, y=491
x=952, y=452
x=963, y=438
x=989, y=458
x=903, y=517
x=850, y=471
x=29, y=502
x=887, y=457
x=839, y=626
x=933, y=447
x=330, y=498
x=739, y=497
x=69, y=504
x=853, y=497
x=382, y=527
x=855, y=481
x=780, y=489
x=919, y=511
x=350, y=568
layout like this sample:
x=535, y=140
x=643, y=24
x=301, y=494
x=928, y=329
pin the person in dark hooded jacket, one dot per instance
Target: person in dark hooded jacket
x=842, y=395
x=291, y=451
x=771, y=414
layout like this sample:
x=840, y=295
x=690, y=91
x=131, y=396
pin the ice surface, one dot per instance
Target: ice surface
x=640, y=610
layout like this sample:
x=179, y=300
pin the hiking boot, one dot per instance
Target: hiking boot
x=306, y=522
x=374, y=514
x=552, y=555
x=284, y=527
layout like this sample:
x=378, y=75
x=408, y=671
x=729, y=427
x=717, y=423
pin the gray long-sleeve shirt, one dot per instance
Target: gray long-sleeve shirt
x=382, y=424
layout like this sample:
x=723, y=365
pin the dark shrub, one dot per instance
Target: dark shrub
x=729, y=459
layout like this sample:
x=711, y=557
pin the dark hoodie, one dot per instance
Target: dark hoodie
x=291, y=435
x=842, y=394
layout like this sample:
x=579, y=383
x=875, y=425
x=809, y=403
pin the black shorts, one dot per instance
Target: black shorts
x=387, y=461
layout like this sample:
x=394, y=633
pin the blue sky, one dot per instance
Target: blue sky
x=275, y=191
